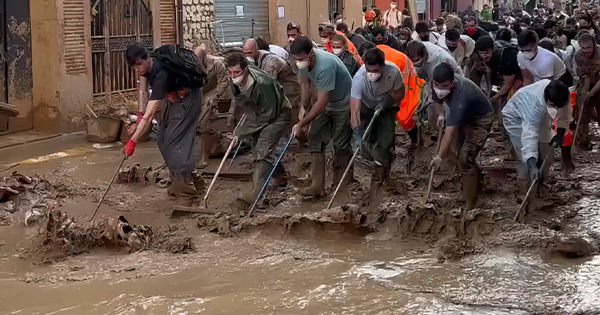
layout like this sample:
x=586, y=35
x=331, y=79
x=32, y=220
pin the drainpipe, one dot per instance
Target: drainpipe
x=179, y=20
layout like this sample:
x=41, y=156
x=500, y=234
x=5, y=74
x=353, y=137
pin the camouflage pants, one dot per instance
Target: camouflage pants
x=469, y=141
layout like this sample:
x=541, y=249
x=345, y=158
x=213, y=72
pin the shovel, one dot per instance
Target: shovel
x=108, y=188
x=270, y=175
x=364, y=137
x=431, y=174
x=524, y=203
x=204, y=204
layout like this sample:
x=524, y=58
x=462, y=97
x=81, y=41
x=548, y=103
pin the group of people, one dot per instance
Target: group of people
x=451, y=79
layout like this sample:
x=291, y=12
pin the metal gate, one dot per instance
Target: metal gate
x=236, y=20
x=117, y=24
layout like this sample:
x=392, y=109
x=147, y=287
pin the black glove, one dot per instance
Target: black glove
x=356, y=138
x=557, y=141
x=389, y=103
x=534, y=171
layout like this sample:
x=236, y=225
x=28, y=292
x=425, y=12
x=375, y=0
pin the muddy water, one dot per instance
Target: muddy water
x=310, y=270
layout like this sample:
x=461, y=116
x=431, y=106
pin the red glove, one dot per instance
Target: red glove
x=129, y=147
x=139, y=117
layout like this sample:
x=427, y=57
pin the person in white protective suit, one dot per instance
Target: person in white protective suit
x=528, y=118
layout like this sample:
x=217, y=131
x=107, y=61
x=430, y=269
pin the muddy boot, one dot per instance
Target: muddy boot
x=317, y=189
x=379, y=175
x=470, y=183
x=567, y=160
x=261, y=172
x=340, y=162
x=280, y=176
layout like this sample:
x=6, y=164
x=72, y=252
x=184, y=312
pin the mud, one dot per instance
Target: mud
x=294, y=256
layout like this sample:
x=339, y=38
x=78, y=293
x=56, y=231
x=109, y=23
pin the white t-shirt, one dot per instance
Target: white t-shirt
x=546, y=64
x=461, y=52
x=279, y=52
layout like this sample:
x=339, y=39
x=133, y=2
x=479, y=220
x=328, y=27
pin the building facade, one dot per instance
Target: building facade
x=57, y=56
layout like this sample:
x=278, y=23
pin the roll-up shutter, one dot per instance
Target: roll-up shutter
x=233, y=20
x=167, y=22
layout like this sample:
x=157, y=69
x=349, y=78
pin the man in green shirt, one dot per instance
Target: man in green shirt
x=267, y=111
x=329, y=117
x=486, y=14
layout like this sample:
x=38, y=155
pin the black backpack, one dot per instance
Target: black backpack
x=183, y=66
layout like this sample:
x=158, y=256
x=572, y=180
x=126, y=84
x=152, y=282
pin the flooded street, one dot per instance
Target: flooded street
x=312, y=268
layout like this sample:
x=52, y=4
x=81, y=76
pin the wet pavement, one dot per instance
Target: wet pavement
x=312, y=269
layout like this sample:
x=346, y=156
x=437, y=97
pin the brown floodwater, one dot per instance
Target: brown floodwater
x=268, y=270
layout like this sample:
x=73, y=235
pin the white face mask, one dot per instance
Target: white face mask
x=441, y=93
x=244, y=88
x=528, y=55
x=524, y=28
x=324, y=40
x=373, y=76
x=338, y=21
x=402, y=41
x=238, y=80
x=302, y=64
x=337, y=51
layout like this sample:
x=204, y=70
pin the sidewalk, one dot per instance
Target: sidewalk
x=24, y=137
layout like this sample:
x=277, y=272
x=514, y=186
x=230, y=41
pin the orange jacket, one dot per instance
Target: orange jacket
x=412, y=84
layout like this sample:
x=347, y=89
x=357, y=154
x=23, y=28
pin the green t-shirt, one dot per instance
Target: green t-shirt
x=329, y=74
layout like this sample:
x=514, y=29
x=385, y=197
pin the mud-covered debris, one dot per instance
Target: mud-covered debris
x=573, y=247
x=25, y=199
x=456, y=248
x=64, y=237
x=129, y=174
x=343, y=214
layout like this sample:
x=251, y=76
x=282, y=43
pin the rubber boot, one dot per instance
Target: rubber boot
x=379, y=175
x=470, y=183
x=261, y=172
x=341, y=159
x=317, y=189
x=567, y=160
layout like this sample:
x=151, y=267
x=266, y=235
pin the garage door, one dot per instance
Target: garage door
x=234, y=20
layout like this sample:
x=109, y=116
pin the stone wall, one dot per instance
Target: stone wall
x=197, y=21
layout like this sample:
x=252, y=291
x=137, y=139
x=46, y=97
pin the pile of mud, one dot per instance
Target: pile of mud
x=63, y=236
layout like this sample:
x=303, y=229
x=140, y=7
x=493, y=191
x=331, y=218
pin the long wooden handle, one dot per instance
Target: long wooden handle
x=108, y=188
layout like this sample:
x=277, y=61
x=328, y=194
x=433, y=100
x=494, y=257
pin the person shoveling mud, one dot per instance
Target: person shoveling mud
x=174, y=74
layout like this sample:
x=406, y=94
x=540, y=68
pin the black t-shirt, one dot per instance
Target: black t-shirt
x=503, y=63
x=508, y=61
x=467, y=103
x=478, y=33
x=392, y=41
x=158, y=79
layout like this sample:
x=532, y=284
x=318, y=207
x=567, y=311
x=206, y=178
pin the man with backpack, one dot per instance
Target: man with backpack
x=176, y=79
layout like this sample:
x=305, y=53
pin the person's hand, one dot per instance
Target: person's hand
x=557, y=140
x=129, y=148
x=388, y=103
x=301, y=112
x=436, y=163
x=356, y=139
x=139, y=117
x=230, y=120
x=297, y=130
x=534, y=171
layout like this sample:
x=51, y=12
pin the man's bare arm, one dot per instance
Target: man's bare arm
x=146, y=122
